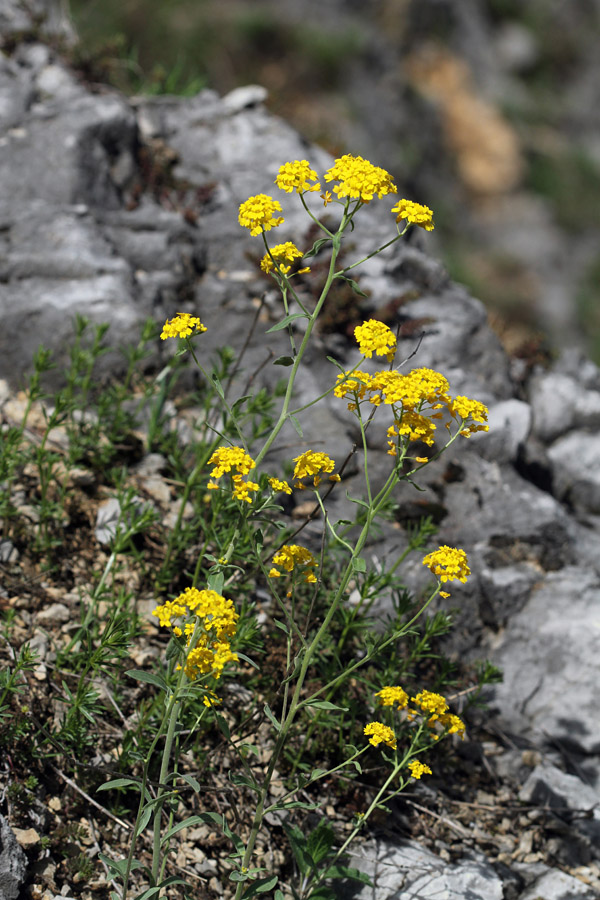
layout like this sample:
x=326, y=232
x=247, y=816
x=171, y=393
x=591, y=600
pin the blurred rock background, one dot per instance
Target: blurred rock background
x=486, y=110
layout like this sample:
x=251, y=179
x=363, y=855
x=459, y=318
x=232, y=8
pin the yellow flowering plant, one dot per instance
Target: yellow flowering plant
x=205, y=622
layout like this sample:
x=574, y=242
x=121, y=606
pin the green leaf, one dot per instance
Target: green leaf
x=316, y=247
x=192, y=782
x=217, y=385
x=320, y=841
x=247, y=659
x=325, y=704
x=297, y=426
x=144, y=819
x=347, y=872
x=119, y=782
x=299, y=849
x=238, y=876
x=244, y=781
x=187, y=823
x=270, y=716
x=261, y=886
x=296, y=804
x=359, y=564
x=354, y=285
x=215, y=582
x=283, y=361
x=149, y=678
x=286, y=321
x=211, y=817
x=118, y=865
x=317, y=773
x=239, y=402
x=245, y=749
x=223, y=726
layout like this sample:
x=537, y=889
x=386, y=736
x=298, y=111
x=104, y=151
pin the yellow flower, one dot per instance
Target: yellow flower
x=292, y=556
x=418, y=768
x=355, y=384
x=281, y=253
x=312, y=463
x=211, y=699
x=295, y=176
x=326, y=198
x=241, y=488
x=433, y=704
x=224, y=459
x=411, y=390
x=464, y=408
x=388, y=696
x=373, y=336
x=277, y=485
x=453, y=724
x=359, y=179
x=414, y=426
x=182, y=325
x=258, y=214
x=213, y=619
x=414, y=213
x=448, y=563
x=379, y=733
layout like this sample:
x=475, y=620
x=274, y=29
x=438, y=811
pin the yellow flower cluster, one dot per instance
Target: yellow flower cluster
x=418, y=398
x=210, y=620
x=182, y=325
x=359, y=179
x=284, y=256
x=278, y=485
x=258, y=214
x=448, y=564
x=418, y=768
x=224, y=459
x=292, y=556
x=375, y=337
x=413, y=426
x=295, y=176
x=414, y=213
x=388, y=696
x=463, y=408
x=378, y=733
x=312, y=463
x=434, y=706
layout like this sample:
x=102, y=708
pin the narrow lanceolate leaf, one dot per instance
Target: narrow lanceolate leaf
x=296, y=425
x=354, y=285
x=316, y=247
x=261, y=886
x=187, y=823
x=148, y=677
x=325, y=704
x=286, y=321
x=270, y=716
x=119, y=782
x=191, y=781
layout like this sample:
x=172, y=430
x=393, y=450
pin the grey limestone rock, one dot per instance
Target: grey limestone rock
x=406, y=870
x=13, y=863
x=549, y=655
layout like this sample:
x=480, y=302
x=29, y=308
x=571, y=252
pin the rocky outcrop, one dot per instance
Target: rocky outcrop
x=120, y=209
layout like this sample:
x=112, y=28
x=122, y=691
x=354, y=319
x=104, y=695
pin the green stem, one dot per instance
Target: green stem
x=284, y=414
